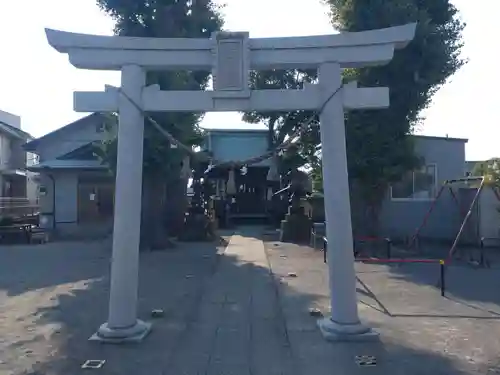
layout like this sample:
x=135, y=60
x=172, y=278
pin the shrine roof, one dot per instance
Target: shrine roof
x=235, y=130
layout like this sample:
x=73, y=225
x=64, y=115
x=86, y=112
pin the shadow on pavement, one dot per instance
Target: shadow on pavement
x=26, y=268
x=465, y=283
x=220, y=317
x=475, y=285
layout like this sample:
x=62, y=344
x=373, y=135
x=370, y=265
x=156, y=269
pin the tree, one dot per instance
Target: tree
x=317, y=177
x=378, y=146
x=162, y=163
x=379, y=149
x=282, y=125
x=490, y=169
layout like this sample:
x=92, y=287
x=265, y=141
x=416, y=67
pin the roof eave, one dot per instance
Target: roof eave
x=35, y=143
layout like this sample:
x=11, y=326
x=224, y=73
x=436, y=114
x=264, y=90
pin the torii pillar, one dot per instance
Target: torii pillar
x=231, y=56
x=344, y=323
x=122, y=324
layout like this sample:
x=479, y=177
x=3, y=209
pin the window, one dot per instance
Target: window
x=32, y=159
x=415, y=185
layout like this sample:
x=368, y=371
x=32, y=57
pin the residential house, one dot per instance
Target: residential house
x=76, y=191
x=408, y=202
x=15, y=180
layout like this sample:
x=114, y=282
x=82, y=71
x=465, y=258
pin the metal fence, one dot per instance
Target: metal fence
x=15, y=207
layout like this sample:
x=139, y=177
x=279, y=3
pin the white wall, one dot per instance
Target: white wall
x=401, y=218
x=46, y=200
x=32, y=179
x=66, y=202
x=10, y=119
x=489, y=216
x=32, y=187
x=66, y=198
x=5, y=151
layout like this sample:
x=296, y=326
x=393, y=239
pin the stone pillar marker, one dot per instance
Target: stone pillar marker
x=231, y=56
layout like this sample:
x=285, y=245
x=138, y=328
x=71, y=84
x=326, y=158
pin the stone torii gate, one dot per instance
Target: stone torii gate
x=230, y=56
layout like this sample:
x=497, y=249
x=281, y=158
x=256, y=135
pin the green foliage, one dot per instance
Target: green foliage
x=164, y=18
x=490, y=169
x=282, y=125
x=317, y=177
x=379, y=151
x=107, y=149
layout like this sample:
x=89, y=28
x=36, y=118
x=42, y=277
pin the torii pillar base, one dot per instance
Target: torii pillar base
x=133, y=334
x=336, y=332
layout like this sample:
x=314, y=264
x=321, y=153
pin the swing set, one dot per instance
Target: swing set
x=414, y=241
x=479, y=183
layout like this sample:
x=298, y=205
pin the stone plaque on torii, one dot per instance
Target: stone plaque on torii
x=230, y=56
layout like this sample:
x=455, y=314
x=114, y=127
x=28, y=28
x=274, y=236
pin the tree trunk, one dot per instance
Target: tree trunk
x=175, y=207
x=372, y=219
x=154, y=235
x=358, y=216
x=374, y=198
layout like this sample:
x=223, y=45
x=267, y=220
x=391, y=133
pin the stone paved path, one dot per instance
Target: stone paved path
x=236, y=310
x=239, y=329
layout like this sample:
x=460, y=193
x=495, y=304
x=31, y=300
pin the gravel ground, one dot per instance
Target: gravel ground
x=37, y=287
x=236, y=310
x=54, y=296
x=421, y=332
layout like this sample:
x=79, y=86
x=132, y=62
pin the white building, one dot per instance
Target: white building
x=15, y=180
